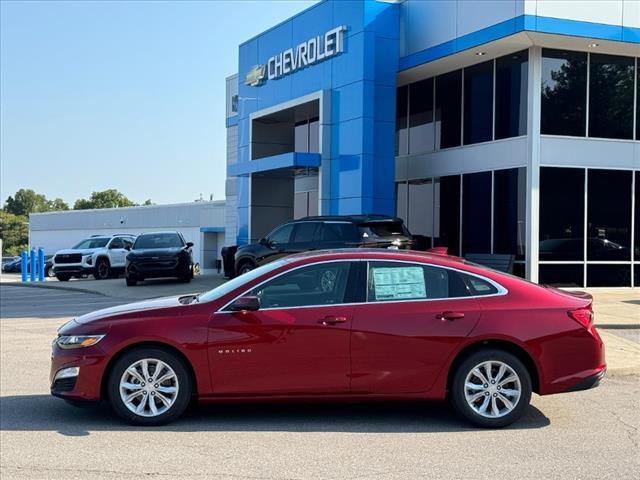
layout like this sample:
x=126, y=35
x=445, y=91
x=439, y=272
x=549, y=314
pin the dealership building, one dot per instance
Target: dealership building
x=493, y=127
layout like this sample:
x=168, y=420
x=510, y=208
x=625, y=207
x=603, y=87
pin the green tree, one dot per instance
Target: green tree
x=110, y=198
x=58, y=204
x=26, y=201
x=14, y=231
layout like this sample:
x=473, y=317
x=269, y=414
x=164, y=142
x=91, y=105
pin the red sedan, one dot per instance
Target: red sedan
x=339, y=325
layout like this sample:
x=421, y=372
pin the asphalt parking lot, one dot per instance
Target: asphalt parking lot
x=592, y=434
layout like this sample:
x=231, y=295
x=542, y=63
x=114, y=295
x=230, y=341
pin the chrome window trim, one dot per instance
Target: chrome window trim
x=501, y=290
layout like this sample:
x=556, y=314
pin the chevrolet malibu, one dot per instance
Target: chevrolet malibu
x=337, y=325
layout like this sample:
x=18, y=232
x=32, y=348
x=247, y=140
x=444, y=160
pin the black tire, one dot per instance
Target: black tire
x=245, y=267
x=48, y=272
x=131, y=281
x=459, y=401
x=102, y=270
x=182, y=398
x=62, y=277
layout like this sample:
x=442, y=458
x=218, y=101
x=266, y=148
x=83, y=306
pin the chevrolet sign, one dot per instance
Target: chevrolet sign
x=307, y=53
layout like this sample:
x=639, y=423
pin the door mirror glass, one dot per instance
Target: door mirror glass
x=249, y=303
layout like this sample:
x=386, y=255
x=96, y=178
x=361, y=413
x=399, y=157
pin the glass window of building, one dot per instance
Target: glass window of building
x=314, y=135
x=561, y=275
x=562, y=214
x=638, y=99
x=511, y=102
x=509, y=211
x=448, y=109
x=420, y=218
x=402, y=132
x=478, y=103
x=446, y=222
x=609, y=215
x=637, y=221
x=301, y=137
x=611, y=84
x=421, y=130
x=600, y=275
x=476, y=213
x=564, y=92
x=401, y=201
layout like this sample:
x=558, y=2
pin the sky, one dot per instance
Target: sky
x=125, y=95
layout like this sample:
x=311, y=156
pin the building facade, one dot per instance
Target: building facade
x=508, y=126
x=199, y=222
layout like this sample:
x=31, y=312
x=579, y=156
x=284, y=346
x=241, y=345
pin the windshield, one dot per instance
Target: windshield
x=158, y=240
x=91, y=243
x=237, y=282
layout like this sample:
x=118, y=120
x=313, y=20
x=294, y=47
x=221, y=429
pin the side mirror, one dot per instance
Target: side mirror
x=189, y=244
x=127, y=247
x=248, y=303
x=263, y=241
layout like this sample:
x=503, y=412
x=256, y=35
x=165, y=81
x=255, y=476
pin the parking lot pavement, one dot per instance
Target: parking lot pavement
x=592, y=434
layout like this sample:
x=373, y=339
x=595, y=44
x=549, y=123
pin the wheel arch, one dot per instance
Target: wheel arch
x=147, y=344
x=501, y=344
x=101, y=256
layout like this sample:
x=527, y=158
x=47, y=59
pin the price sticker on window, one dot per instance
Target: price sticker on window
x=398, y=283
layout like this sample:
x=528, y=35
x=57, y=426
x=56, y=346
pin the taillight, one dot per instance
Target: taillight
x=584, y=316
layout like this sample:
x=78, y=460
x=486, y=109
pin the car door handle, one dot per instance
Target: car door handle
x=450, y=316
x=332, y=320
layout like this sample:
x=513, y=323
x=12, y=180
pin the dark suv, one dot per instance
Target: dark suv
x=315, y=233
x=159, y=254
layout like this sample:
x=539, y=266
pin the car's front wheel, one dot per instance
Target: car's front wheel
x=491, y=388
x=149, y=386
x=131, y=281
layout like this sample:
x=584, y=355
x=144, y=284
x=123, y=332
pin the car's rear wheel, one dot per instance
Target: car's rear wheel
x=149, y=386
x=63, y=277
x=491, y=388
x=102, y=270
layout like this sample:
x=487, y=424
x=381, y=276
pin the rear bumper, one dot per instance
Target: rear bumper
x=590, y=382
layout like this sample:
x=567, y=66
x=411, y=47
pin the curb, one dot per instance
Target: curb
x=55, y=287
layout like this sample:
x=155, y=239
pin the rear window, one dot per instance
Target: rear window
x=160, y=240
x=386, y=229
x=478, y=286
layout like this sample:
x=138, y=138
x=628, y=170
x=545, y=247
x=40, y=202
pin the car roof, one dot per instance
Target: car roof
x=379, y=254
x=173, y=232
x=359, y=219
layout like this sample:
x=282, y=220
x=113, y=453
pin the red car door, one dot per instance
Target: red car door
x=296, y=343
x=414, y=317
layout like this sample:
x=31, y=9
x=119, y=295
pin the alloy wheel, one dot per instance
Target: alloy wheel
x=149, y=387
x=492, y=389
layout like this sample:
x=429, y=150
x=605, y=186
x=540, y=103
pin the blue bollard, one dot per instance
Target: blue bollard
x=24, y=265
x=41, y=264
x=32, y=265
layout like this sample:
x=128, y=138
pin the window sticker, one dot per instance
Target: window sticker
x=398, y=283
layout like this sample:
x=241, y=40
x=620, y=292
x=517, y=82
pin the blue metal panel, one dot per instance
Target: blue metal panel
x=212, y=229
x=276, y=162
x=361, y=84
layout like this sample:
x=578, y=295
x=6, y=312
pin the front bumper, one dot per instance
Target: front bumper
x=73, y=269
x=86, y=386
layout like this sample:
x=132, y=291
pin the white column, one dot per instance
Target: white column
x=533, y=162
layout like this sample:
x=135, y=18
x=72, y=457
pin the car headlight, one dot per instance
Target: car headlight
x=78, y=341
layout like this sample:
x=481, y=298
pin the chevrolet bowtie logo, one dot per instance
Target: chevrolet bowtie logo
x=255, y=76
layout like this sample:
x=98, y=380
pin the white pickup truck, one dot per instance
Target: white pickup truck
x=102, y=256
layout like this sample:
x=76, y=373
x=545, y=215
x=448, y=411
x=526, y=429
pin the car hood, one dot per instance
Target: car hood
x=130, y=308
x=81, y=251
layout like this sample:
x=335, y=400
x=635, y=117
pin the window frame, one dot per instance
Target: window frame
x=362, y=276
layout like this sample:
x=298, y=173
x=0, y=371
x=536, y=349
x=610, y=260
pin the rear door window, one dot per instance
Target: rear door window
x=304, y=232
x=394, y=281
x=334, y=232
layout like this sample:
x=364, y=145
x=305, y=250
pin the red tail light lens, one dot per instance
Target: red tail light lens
x=584, y=316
